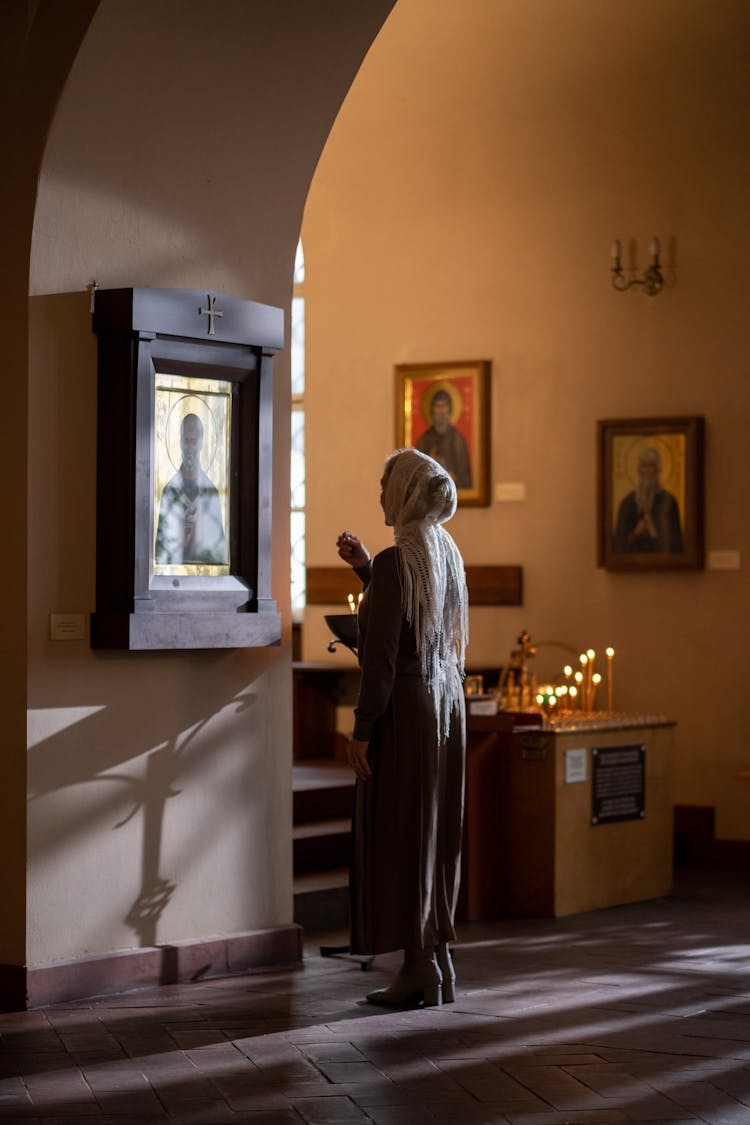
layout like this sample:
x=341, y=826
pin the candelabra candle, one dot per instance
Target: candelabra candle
x=546, y=698
x=352, y=603
x=610, y=679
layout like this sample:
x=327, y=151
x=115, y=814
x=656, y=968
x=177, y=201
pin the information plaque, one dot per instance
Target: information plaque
x=618, y=784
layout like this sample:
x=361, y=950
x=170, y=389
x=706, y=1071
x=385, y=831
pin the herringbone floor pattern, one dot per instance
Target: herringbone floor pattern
x=634, y=1014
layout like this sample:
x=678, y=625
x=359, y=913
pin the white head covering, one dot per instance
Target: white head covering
x=418, y=497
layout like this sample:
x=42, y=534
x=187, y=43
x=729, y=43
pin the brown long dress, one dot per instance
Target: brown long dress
x=406, y=832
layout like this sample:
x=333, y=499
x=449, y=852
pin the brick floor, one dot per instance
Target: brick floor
x=635, y=1014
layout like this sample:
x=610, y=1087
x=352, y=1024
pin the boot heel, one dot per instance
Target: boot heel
x=433, y=996
x=445, y=964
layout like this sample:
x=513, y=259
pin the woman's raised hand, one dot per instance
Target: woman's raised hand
x=351, y=550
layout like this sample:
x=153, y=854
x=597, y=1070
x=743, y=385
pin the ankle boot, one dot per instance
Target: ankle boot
x=448, y=973
x=418, y=978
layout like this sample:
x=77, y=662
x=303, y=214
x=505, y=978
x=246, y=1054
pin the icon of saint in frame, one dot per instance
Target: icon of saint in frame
x=192, y=473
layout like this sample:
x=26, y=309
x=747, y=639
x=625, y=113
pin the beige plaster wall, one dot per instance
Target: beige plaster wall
x=464, y=208
x=180, y=155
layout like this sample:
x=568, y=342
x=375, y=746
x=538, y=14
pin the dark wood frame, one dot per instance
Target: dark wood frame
x=479, y=371
x=691, y=557
x=144, y=332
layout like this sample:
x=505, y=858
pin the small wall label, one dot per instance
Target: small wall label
x=510, y=490
x=723, y=560
x=67, y=626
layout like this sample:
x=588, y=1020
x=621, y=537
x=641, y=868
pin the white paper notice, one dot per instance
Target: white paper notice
x=575, y=765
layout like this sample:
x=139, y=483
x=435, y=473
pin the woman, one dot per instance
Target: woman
x=409, y=742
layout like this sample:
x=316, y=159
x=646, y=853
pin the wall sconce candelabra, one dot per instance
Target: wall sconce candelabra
x=652, y=280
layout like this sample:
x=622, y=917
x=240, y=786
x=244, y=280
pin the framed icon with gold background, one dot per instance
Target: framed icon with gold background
x=192, y=472
x=443, y=410
x=651, y=493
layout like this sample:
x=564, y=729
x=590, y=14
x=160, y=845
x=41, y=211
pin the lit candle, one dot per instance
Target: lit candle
x=352, y=603
x=610, y=679
x=567, y=672
x=590, y=654
x=596, y=679
x=579, y=690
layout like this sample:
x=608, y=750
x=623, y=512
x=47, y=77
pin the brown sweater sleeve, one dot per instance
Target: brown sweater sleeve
x=364, y=573
x=378, y=656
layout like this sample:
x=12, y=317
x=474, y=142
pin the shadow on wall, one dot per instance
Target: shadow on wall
x=116, y=737
x=157, y=777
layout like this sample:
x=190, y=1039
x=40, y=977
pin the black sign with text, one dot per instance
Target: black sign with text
x=618, y=784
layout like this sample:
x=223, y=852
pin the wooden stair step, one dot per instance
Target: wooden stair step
x=321, y=845
x=340, y=826
x=323, y=801
x=314, y=773
x=322, y=790
x=321, y=900
x=313, y=881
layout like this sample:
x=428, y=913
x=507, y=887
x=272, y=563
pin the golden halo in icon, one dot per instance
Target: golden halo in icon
x=429, y=393
x=190, y=404
x=638, y=446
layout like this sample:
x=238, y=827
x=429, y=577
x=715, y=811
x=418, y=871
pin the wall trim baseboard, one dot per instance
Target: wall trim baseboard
x=26, y=987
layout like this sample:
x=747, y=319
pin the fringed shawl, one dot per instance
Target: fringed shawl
x=418, y=497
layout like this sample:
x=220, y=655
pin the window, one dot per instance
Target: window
x=298, y=438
